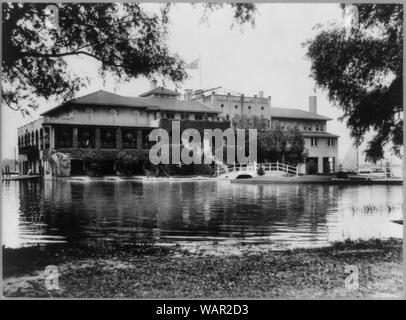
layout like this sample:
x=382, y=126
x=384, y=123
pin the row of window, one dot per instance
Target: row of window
x=86, y=138
x=306, y=126
x=35, y=138
x=236, y=107
x=309, y=127
x=186, y=116
x=331, y=142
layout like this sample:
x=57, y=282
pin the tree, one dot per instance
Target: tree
x=127, y=41
x=277, y=144
x=362, y=73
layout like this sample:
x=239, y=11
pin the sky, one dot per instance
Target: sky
x=269, y=57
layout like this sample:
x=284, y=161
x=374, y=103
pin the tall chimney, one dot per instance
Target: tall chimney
x=188, y=94
x=154, y=84
x=313, y=104
x=260, y=94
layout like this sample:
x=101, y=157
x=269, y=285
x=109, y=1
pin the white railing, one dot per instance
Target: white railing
x=253, y=167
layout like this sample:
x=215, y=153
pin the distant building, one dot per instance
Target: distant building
x=322, y=147
x=230, y=105
x=103, y=127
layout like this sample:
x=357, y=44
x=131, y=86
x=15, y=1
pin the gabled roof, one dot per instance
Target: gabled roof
x=289, y=113
x=160, y=91
x=104, y=98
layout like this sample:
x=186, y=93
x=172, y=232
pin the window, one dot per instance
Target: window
x=249, y=107
x=41, y=138
x=168, y=115
x=236, y=106
x=313, y=142
x=63, y=137
x=331, y=142
x=222, y=106
x=184, y=116
x=198, y=117
x=262, y=108
x=108, y=138
x=317, y=127
x=46, y=137
x=129, y=139
x=86, y=137
x=309, y=126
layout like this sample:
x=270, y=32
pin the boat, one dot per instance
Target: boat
x=367, y=171
x=370, y=174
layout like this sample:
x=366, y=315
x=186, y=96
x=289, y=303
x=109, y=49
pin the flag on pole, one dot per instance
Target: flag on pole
x=194, y=65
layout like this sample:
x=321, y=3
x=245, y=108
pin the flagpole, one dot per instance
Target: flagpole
x=200, y=72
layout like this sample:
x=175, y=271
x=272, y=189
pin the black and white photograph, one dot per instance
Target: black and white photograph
x=225, y=150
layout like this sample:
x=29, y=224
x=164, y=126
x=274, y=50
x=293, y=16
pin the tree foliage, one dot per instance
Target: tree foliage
x=277, y=144
x=126, y=40
x=362, y=73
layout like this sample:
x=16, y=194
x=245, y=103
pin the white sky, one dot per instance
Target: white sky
x=269, y=57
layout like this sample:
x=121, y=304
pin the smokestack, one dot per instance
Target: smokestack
x=313, y=104
x=260, y=94
x=154, y=84
x=188, y=94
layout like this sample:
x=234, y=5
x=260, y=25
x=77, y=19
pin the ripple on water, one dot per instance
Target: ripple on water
x=189, y=212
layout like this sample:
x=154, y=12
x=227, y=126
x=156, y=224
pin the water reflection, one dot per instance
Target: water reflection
x=283, y=215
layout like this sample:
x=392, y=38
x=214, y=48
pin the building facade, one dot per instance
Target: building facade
x=321, y=146
x=102, y=127
x=109, y=129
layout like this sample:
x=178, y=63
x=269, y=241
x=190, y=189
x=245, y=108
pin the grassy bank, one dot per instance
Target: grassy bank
x=145, y=271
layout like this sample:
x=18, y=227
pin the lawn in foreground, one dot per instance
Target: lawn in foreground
x=144, y=271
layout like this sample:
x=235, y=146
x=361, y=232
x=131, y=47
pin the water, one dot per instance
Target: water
x=286, y=215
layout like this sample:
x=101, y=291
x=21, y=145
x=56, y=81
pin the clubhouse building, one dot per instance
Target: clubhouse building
x=102, y=130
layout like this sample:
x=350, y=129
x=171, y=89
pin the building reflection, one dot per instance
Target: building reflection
x=150, y=211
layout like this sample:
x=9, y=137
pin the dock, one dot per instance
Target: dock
x=318, y=180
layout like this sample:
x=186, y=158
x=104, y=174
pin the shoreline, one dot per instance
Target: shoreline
x=305, y=179
x=109, y=270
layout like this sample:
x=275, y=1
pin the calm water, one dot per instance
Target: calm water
x=280, y=215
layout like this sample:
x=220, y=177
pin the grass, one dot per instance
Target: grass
x=145, y=271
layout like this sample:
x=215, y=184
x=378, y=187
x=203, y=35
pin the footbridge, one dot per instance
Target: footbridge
x=252, y=169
